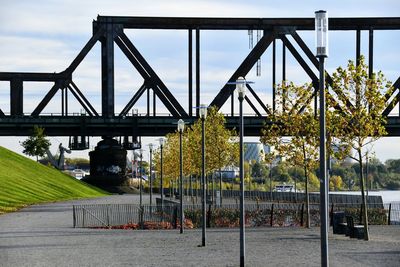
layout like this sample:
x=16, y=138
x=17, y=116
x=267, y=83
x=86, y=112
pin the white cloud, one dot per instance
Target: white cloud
x=46, y=35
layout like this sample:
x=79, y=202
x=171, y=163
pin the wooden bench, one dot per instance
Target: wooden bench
x=354, y=231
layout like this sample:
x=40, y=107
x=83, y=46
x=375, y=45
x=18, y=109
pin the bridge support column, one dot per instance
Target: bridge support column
x=16, y=97
x=107, y=70
x=107, y=165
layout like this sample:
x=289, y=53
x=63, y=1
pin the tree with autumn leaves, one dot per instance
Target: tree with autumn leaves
x=364, y=122
x=293, y=131
x=354, y=120
x=220, y=150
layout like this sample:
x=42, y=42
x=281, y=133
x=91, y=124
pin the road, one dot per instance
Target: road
x=42, y=235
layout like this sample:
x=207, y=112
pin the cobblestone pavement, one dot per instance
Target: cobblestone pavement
x=42, y=235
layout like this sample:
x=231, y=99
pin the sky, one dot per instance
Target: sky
x=46, y=35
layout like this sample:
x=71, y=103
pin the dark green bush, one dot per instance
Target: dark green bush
x=376, y=216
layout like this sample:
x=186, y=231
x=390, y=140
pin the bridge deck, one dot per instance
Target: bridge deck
x=120, y=126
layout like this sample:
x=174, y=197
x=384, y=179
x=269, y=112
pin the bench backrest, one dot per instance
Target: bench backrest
x=350, y=221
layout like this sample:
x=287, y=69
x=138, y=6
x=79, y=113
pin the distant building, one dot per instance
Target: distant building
x=228, y=173
x=255, y=151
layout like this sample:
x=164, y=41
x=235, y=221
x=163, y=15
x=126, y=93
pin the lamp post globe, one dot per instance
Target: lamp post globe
x=181, y=125
x=203, y=111
x=241, y=87
x=321, y=33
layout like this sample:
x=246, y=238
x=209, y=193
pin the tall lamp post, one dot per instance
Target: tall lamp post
x=150, y=174
x=162, y=141
x=140, y=176
x=203, y=115
x=321, y=32
x=241, y=89
x=181, y=127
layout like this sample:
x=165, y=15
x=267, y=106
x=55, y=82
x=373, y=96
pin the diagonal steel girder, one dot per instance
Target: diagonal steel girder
x=134, y=99
x=303, y=64
x=75, y=94
x=395, y=100
x=257, y=99
x=68, y=72
x=85, y=50
x=252, y=106
x=57, y=85
x=150, y=76
x=244, y=68
x=309, y=72
x=315, y=62
x=82, y=99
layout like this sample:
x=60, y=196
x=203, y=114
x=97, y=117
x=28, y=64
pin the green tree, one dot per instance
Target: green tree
x=258, y=170
x=36, y=144
x=280, y=172
x=347, y=173
x=361, y=113
x=297, y=175
x=296, y=118
x=335, y=183
x=220, y=150
x=393, y=165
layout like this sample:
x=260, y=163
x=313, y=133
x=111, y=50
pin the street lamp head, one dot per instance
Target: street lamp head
x=181, y=125
x=203, y=111
x=162, y=141
x=241, y=87
x=321, y=33
x=151, y=147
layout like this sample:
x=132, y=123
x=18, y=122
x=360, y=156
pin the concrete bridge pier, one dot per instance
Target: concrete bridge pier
x=107, y=164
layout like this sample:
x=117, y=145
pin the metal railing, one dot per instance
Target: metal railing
x=393, y=212
x=257, y=214
x=285, y=197
x=108, y=215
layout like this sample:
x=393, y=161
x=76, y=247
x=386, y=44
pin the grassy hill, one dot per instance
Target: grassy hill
x=24, y=182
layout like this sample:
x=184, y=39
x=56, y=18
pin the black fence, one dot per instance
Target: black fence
x=393, y=210
x=281, y=196
x=259, y=214
x=135, y=216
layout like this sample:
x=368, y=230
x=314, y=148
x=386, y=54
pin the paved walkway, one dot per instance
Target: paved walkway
x=42, y=235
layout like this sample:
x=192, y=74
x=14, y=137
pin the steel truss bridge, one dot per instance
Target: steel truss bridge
x=109, y=31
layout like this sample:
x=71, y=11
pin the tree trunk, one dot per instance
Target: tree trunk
x=213, y=189
x=220, y=187
x=270, y=181
x=363, y=198
x=308, y=224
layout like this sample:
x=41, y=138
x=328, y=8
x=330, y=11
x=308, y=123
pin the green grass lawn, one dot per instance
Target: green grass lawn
x=25, y=182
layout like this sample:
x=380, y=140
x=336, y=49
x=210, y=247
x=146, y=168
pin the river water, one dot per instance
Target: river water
x=388, y=196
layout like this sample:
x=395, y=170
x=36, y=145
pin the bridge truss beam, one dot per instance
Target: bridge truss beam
x=110, y=29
